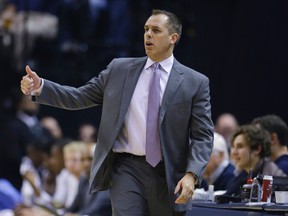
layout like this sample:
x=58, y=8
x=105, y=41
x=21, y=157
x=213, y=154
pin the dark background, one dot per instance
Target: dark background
x=240, y=45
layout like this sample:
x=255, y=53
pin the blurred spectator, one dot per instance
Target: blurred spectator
x=97, y=203
x=219, y=171
x=225, y=125
x=32, y=170
x=52, y=125
x=67, y=186
x=26, y=112
x=279, y=138
x=88, y=133
x=250, y=146
x=55, y=165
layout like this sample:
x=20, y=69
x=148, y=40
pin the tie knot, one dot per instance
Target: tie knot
x=155, y=66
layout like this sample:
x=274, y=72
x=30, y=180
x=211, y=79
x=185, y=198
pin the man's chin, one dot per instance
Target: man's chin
x=149, y=53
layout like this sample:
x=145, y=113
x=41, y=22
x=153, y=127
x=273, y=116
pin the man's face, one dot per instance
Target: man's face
x=88, y=158
x=56, y=160
x=73, y=162
x=28, y=106
x=240, y=152
x=158, y=42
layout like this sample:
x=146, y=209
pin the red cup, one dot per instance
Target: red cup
x=267, y=188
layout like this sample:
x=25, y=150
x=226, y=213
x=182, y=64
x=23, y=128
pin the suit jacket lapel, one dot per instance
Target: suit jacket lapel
x=174, y=81
x=134, y=71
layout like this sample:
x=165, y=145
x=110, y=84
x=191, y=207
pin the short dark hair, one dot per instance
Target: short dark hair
x=174, y=24
x=274, y=124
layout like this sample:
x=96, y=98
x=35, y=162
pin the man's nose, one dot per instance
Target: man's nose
x=147, y=37
x=148, y=33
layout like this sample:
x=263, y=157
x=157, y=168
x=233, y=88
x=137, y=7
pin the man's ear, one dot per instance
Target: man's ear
x=274, y=138
x=258, y=151
x=174, y=38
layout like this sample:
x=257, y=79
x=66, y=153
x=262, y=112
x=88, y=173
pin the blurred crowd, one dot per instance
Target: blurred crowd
x=45, y=172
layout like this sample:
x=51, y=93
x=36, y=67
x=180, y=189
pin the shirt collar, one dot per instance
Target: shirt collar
x=166, y=64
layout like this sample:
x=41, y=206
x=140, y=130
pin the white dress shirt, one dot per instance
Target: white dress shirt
x=132, y=137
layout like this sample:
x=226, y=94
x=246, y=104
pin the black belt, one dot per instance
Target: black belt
x=132, y=156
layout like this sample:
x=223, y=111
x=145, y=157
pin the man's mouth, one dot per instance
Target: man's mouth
x=236, y=159
x=149, y=43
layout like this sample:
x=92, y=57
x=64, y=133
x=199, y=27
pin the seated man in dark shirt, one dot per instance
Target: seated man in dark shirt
x=279, y=139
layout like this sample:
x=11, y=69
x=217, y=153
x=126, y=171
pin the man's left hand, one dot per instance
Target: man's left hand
x=187, y=186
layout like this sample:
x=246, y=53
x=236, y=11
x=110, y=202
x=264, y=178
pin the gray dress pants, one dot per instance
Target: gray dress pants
x=138, y=189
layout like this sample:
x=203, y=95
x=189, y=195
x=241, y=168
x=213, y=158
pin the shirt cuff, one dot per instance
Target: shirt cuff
x=38, y=91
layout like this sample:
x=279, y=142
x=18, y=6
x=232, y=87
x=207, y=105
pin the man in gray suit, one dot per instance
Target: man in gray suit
x=184, y=124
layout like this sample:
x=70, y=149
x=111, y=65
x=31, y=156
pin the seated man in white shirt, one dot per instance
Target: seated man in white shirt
x=219, y=170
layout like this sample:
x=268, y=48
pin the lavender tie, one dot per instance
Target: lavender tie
x=153, y=149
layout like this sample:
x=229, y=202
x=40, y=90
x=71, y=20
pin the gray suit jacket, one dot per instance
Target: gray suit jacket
x=186, y=128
